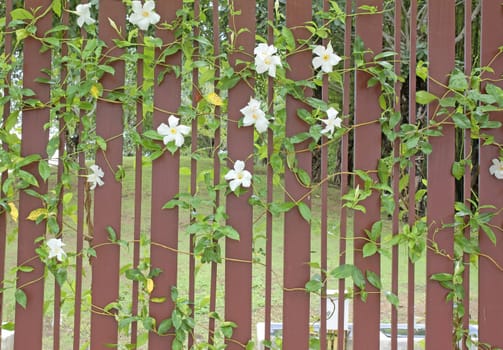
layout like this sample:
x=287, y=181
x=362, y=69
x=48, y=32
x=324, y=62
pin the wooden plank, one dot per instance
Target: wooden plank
x=441, y=195
x=238, y=267
x=490, y=276
x=107, y=198
x=165, y=183
x=297, y=231
x=366, y=156
x=35, y=138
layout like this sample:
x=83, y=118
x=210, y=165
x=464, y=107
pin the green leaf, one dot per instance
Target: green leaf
x=61, y=276
x=489, y=232
x=44, y=169
x=458, y=169
x=461, y=121
x=358, y=278
x=231, y=233
x=164, y=326
x=305, y=211
x=369, y=249
x=304, y=177
x=441, y=277
x=279, y=208
x=56, y=7
x=392, y=298
x=112, y=236
x=458, y=81
x=317, y=103
x=21, y=14
x=24, y=268
x=287, y=34
x=21, y=298
x=424, y=97
x=314, y=285
x=374, y=279
x=342, y=271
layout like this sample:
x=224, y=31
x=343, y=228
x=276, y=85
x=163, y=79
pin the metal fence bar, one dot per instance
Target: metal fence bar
x=107, y=198
x=238, y=267
x=490, y=271
x=467, y=153
x=216, y=163
x=138, y=191
x=3, y=176
x=165, y=184
x=366, y=156
x=324, y=210
x=59, y=218
x=343, y=220
x=411, y=213
x=396, y=175
x=270, y=188
x=196, y=95
x=441, y=193
x=297, y=240
x=35, y=139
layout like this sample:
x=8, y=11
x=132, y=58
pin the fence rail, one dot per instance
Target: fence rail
x=394, y=205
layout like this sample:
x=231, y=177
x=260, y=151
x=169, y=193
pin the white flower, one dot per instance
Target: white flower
x=266, y=60
x=56, y=248
x=84, y=13
x=95, y=177
x=326, y=58
x=173, y=131
x=253, y=115
x=143, y=16
x=239, y=176
x=497, y=169
x=331, y=122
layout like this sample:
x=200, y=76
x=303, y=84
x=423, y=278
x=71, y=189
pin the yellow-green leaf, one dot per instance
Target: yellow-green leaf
x=214, y=99
x=14, y=213
x=150, y=285
x=35, y=214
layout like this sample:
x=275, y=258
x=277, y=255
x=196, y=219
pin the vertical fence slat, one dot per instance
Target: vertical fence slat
x=467, y=153
x=411, y=213
x=193, y=164
x=165, y=184
x=107, y=198
x=138, y=192
x=3, y=176
x=441, y=195
x=343, y=220
x=238, y=272
x=490, y=277
x=216, y=162
x=297, y=231
x=366, y=156
x=396, y=176
x=324, y=210
x=35, y=139
x=270, y=188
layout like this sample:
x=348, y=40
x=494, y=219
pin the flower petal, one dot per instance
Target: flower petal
x=239, y=165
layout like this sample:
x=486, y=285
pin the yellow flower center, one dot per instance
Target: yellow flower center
x=254, y=116
x=145, y=13
x=239, y=176
x=173, y=131
x=267, y=61
x=326, y=57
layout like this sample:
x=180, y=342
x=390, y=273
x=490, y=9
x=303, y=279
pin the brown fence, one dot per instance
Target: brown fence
x=399, y=206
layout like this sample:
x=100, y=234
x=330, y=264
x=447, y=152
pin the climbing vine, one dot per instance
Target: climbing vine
x=75, y=80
